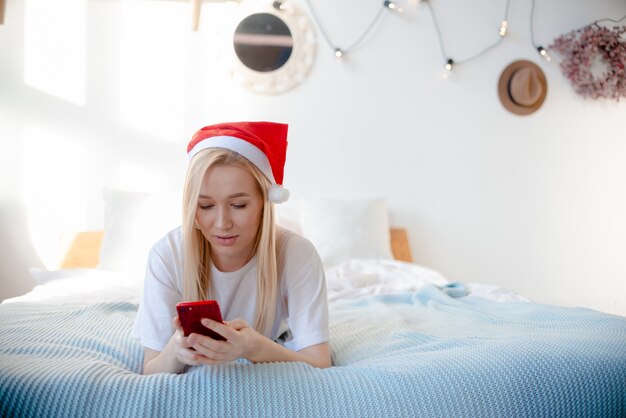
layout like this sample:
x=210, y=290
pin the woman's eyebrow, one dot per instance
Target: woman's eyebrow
x=240, y=194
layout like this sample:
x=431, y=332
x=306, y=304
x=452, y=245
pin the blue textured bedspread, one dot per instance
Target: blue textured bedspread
x=423, y=354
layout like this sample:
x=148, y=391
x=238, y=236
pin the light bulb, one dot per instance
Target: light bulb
x=279, y=5
x=447, y=69
x=544, y=53
x=503, y=27
x=393, y=6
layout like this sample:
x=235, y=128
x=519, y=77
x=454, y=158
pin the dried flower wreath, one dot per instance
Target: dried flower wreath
x=580, y=50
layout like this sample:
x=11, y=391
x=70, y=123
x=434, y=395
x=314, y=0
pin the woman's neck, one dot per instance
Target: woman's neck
x=227, y=264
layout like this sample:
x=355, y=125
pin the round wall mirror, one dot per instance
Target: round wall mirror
x=273, y=48
x=263, y=42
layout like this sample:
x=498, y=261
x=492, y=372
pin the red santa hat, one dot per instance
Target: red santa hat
x=264, y=144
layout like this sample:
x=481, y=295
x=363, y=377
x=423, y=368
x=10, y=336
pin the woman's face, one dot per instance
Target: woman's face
x=229, y=213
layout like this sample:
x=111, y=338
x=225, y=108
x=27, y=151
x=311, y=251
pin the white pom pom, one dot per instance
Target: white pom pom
x=277, y=194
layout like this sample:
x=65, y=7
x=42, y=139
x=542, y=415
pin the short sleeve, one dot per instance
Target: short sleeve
x=305, y=297
x=153, y=323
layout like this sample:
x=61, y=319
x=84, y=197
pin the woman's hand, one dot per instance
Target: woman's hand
x=244, y=342
x=241, y=342
x=182, y=346
x=175, y=355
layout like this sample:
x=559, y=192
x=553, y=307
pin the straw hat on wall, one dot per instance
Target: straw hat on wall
x=522, y=87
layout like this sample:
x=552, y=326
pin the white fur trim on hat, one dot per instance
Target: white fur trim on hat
x=276, y=193
x=240, y=146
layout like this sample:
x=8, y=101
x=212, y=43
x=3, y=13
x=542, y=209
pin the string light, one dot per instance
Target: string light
x=393, y=6
x=540, y=49
x=450, y=63
x=503, y=27
x=341, y=52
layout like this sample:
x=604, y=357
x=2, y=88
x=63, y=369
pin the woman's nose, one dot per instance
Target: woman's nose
x=222, y=220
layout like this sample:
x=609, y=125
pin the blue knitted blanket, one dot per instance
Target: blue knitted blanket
x=406, y=355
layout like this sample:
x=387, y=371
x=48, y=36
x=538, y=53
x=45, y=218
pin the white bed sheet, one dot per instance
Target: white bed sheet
x=81, y=286
x=358, y=278
x=350, y=280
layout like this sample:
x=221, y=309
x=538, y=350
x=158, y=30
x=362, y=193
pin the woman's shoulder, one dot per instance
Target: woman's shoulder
x=290, y=245
x=170, y=244
x=299, y=263
x=286, y=237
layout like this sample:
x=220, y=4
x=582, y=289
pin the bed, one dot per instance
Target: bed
x=405, y=342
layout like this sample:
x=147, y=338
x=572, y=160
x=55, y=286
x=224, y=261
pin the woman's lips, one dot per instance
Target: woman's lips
x=225, y=239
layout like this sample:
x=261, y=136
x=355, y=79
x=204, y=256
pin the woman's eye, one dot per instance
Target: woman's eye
x=205, y=207
x=240, y=206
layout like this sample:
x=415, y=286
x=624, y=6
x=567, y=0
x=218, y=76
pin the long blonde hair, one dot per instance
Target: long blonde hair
x=197, y=283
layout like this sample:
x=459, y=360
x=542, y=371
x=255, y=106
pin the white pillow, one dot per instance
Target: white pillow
x=133, y=222
x=343, y=229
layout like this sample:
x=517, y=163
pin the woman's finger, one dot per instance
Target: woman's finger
x=188, y=356
x=176, y=323
x=181, y=341
x=224, y=330
x=214, y=349
x=202, y=343
x=220, y=356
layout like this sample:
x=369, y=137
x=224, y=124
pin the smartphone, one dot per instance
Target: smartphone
x=191, y=313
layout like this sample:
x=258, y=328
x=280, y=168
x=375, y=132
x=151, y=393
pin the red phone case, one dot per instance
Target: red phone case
x=191, y=313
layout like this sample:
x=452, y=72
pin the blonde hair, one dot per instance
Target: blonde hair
x=197, y=250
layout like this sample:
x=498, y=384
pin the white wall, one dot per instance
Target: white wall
x=107, y=93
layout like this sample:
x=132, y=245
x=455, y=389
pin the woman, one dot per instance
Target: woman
x=268, y=281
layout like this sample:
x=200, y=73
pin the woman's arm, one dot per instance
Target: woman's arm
x=317, y=355
x=175, y=355
x=162, y=361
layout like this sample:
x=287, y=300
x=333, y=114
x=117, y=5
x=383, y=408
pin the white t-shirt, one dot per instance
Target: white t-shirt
x=302, y=306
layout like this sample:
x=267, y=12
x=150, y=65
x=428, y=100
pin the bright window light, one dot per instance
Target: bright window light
x=133, y=176
x=54, y=190
x=153, y=67
x=55, y=47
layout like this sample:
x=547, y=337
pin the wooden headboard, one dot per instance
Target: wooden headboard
x=400, y=245
x=84, y=247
